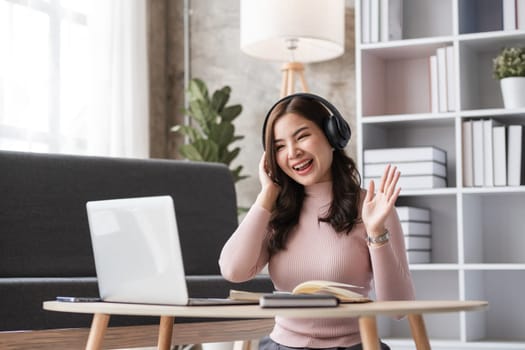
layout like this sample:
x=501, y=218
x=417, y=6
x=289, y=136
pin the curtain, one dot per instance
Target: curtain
x=118, y=124
x=73, y=77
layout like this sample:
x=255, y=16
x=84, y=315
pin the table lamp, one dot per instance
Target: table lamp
x=293, y=31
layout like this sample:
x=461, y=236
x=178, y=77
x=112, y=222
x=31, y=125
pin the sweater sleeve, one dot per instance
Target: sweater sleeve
x=245, y=253
x=392, y=279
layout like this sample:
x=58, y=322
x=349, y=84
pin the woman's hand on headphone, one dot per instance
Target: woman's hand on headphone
x=269, y=189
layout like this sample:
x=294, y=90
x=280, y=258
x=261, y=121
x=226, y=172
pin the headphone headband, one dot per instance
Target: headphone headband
x=335, y=127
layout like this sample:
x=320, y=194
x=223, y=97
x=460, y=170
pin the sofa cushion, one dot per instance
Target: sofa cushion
x=43, y=217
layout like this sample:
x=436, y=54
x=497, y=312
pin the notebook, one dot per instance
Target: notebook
x=138, y=257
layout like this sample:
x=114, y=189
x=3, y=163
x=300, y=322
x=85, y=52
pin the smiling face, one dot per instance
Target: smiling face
x=302, y=150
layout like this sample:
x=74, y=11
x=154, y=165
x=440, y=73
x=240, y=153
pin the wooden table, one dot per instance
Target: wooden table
x=366, y=313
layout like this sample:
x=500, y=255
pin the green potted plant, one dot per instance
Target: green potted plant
x=210, y=139
x=509, y=68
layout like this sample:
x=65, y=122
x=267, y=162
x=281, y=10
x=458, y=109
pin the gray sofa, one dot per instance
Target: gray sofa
x=45, y=247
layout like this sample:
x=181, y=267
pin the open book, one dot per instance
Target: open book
x=342, y=291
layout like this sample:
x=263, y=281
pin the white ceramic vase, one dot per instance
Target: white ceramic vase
x=513, y=91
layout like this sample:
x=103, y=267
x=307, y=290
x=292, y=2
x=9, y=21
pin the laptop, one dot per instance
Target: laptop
x=138, y=257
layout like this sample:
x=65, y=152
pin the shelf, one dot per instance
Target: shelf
x=477, y=232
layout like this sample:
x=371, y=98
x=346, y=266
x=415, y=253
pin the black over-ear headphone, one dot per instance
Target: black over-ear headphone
x=335, y=127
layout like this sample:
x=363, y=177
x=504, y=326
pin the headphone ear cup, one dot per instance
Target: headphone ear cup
x=337, y=131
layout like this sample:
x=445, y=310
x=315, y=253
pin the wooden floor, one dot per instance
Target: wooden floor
x=141, y=337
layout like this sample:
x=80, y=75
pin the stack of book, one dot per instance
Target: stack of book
x=420, y=167
x=493, y=153
x=416, y=229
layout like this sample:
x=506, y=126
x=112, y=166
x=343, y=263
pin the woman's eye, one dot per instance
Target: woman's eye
x=302, y=136
x=278, y=147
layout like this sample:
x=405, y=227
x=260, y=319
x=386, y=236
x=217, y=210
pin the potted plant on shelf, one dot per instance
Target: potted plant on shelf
x=509, y=68
x=211, y=138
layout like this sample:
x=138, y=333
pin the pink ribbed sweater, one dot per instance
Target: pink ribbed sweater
x=315, y=252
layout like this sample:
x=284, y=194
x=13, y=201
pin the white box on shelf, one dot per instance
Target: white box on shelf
x=405, y=154
x=413, y=228
x=413, y=214
x=418, y=242
x=418, y=256
x=414, y=182
x=407, y=168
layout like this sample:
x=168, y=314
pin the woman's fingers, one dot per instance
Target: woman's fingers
x=392, y=179
x=384, y=179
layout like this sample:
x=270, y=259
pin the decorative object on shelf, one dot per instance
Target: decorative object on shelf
x=293, y=31
x=509, y=68
x=210, y=142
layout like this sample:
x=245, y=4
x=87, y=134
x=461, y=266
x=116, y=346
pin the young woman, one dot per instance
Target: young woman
x=312, y=221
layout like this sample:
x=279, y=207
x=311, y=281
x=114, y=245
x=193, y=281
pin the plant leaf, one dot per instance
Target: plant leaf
x=231, y=112
x=219, y=99
x=222, y=134
x=208, y=150
x=197, y=90
x=187, y=130
x=228, y=156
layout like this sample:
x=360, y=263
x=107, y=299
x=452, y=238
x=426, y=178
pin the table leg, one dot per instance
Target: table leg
x=419, y=332
x=165, y=332
x=97, y=331
x=368, y=330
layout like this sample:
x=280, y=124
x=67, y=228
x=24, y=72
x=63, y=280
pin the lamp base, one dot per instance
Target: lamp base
x=290, y=71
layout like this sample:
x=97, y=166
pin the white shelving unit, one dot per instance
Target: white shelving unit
x=478, y=233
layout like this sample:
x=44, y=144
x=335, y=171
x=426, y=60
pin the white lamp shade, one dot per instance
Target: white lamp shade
x=318, y=26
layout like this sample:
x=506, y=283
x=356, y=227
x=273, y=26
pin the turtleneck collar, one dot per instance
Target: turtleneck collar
x=321, y=191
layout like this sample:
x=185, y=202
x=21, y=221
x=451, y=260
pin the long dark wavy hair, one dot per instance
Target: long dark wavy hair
x=343, y=213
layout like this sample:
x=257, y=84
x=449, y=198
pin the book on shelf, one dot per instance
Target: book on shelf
x=405, y=154
x=515, y=160
x=509, y=14
x=365, y=21
x=406, y=213
x=391, y=20
x=451, y=74
x=407, y=168
x=520, y=14
x=413, y=228
x=342, y=291
x=488, y=151
x=434, y=94
x=441, y=55
x=468, y=165
x=478, y=166
x=374, y=21
x=418, y=242
x=499, y=146
x=414, y=182
x=419, y=256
